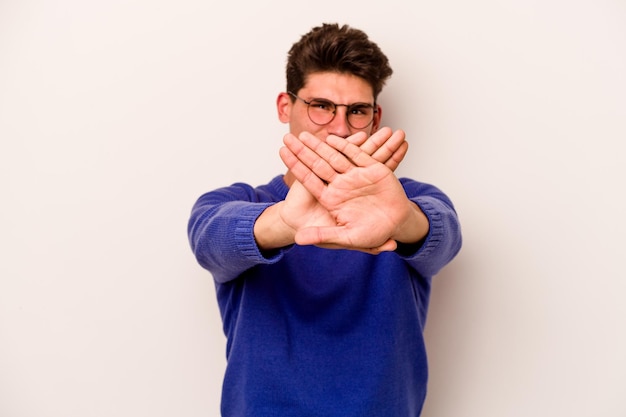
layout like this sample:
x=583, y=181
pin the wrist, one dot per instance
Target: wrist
x=270, y=231
x=415, y=227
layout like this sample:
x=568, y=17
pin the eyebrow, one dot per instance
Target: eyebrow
x=342, y=104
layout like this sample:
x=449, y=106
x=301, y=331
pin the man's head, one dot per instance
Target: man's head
x=340, y=49
x=337, y=70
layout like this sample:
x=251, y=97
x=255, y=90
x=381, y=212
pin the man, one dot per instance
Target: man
x=323, y=274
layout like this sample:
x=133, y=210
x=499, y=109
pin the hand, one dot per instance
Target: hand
x=366, y=203
x=301, y=210
x=385, y=146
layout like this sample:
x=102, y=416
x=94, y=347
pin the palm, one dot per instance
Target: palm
x=365, y=204
x=302, y=210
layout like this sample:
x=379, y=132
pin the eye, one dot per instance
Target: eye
x=361, y=109
x=322, y=105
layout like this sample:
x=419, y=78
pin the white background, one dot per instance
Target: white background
x=115, y=116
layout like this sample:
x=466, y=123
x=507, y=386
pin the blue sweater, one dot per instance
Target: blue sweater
x=320, y=332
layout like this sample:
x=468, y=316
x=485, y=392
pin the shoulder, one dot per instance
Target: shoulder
x=241, y=191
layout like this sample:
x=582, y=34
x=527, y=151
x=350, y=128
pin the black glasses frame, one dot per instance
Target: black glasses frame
x=334, y=106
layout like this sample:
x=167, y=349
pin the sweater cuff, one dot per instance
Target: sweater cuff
x=435, y=231
x=244, y=235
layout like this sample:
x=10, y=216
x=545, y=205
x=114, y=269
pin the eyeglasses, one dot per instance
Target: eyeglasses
x=322, y=111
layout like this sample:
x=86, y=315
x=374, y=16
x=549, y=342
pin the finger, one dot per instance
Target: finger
x=376, y=140
x=309, y=157
x=388, y=246
x=354, y=153
x=388, y=149
x=331, y=238
x=313, y=184
x=397, y=157
x=358, y=138
x=336, y=160
x=375, y=251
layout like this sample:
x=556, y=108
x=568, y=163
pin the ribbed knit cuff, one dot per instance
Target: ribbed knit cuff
x=435, y=231
x=244, y=235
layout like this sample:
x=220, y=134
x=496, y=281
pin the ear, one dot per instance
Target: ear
x=283, y=106
x=378, y=116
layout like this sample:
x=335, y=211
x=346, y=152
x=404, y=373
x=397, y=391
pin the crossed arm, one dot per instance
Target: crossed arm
x=345, y=195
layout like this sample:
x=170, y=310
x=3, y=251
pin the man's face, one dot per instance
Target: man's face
x=335, y=87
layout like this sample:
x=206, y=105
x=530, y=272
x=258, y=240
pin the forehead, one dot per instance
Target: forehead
x=337, y=87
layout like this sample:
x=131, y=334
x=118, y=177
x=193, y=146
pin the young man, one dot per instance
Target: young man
x=323, y=274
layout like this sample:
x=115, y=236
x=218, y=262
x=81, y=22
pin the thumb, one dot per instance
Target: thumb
x=334, y=237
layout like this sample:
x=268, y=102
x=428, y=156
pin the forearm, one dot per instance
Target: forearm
x=221, y=236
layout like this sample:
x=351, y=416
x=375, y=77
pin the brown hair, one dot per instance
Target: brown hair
x=334, y=48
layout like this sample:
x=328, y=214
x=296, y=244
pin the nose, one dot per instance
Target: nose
x=339, y=126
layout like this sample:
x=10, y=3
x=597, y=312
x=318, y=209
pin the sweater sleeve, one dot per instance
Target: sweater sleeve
x=444, y=238
x=221, y=231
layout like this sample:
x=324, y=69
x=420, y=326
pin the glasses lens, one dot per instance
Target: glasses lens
x=321, y=112
x=360, y=115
